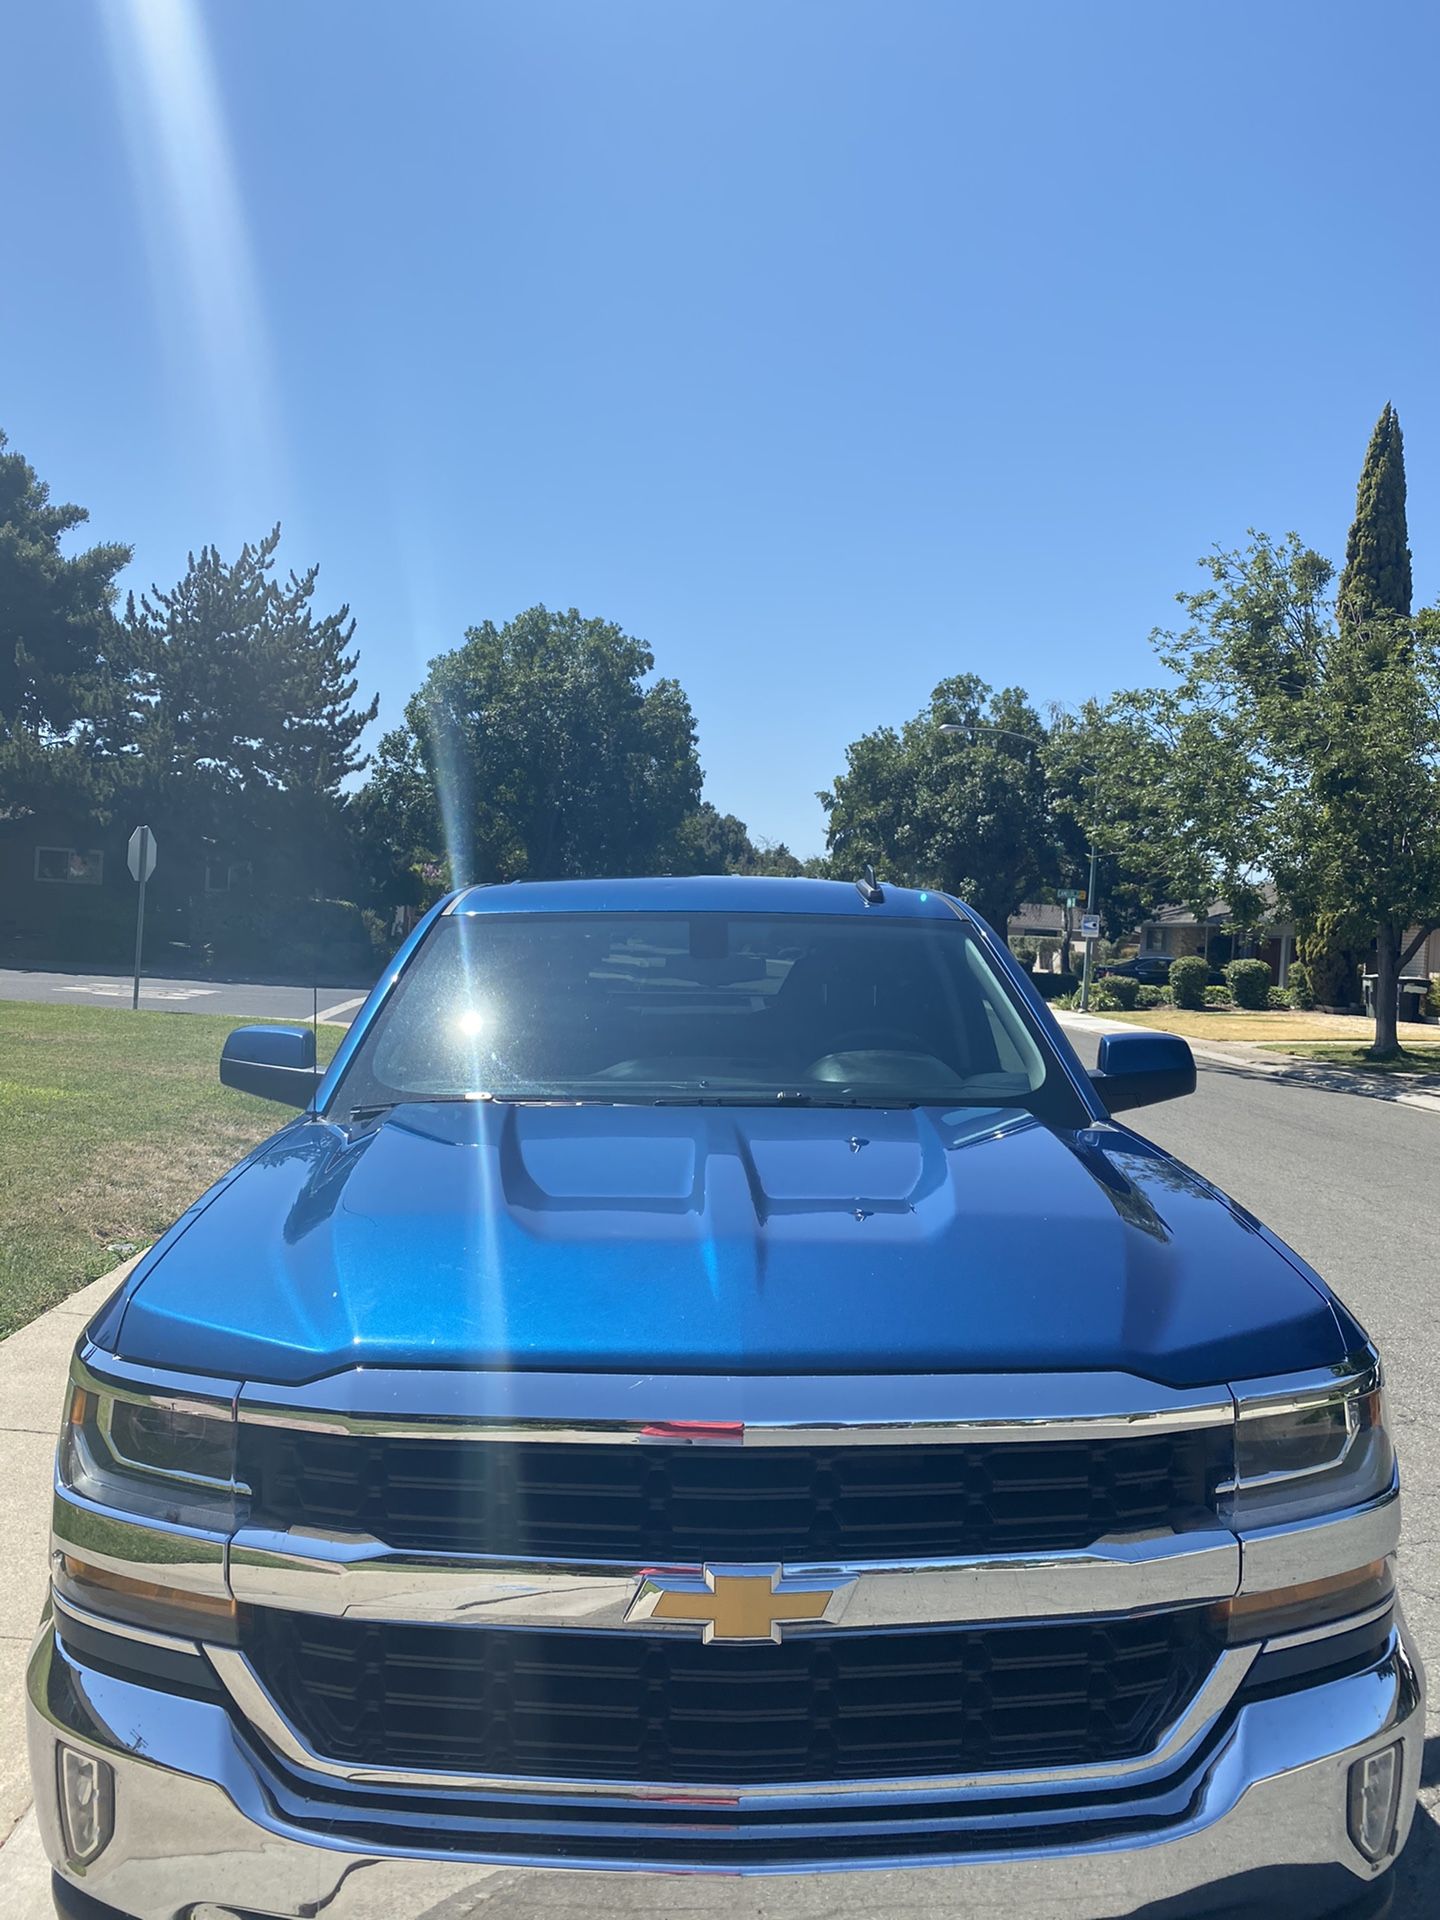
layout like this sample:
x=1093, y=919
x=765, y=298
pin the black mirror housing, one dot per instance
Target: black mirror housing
x=275, y=1063
x=1137, y=1069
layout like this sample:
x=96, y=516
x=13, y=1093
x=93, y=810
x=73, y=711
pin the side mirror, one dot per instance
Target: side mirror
x=1137, y=1069
x=277, y=1063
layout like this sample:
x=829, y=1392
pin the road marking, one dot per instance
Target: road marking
x=341, y=1006
x=120, y=992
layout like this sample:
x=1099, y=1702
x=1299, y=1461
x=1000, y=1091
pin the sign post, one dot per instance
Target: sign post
x=1089, y=926
x=142, y=865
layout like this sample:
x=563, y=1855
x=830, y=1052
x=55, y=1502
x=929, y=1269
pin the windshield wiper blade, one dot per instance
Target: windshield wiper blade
x=373, y=1110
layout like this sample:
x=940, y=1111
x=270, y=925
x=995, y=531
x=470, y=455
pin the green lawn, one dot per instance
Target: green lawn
x=110, y=1123
x=1426, y=1060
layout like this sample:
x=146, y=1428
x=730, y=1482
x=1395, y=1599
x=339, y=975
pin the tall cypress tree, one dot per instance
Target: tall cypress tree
x=1376, y=580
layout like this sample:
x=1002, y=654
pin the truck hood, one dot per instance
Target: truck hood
x=720, y=1240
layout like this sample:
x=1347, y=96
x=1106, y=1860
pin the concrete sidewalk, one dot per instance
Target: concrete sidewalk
x=33, y=1366
x=1244, y=1056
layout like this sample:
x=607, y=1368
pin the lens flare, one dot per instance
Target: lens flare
x=202, y=263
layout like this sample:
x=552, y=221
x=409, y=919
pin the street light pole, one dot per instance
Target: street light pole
x=1090, y=908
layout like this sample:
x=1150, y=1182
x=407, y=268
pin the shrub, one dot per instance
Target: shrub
x=1149, y=997
x=1103, y=998
x=1122, y=986
x=1188, y=975
x=1432, y=998
x=1300, y=986
x=1218, y=997
x=1278, y=1000
x=1249, y=984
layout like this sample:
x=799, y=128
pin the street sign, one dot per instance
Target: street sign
x=1089, y=926
x=142, y=854
x=142, y=865
x=1069, y=897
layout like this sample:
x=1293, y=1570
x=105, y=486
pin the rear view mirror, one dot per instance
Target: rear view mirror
x=277, y=1063
x=1137, y=1069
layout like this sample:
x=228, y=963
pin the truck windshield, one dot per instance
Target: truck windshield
x=704, y=1007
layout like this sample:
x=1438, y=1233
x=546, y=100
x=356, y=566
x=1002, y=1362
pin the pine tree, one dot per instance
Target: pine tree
x=1376, y=580
x=59, y=678
x=244, y=715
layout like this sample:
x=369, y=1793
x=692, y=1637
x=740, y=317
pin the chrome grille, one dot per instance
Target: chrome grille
x=669, y=1504
x=647, y=1707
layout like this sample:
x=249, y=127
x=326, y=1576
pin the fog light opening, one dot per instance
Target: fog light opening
x=87, y=1804
x=1374, y=1802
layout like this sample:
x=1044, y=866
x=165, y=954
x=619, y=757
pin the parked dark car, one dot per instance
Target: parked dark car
x=1153, y=969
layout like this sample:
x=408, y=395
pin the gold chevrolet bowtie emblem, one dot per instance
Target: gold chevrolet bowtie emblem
x=735, y=1603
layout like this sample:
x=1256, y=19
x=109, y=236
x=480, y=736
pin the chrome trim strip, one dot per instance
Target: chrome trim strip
x=1281, y=1642
x=359, y=1578
x=1358, y=1373
x=107, y=1373
x=1209, y=1701
x=719, y=1410
x=125, y=1629
x=138, y=1548
x=1328, y=1543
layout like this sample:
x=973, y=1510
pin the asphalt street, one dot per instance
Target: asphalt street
x=259, y=1002
x=1349, y=1179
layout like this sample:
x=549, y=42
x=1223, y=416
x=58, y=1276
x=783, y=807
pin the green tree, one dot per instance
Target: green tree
x=1305, y=747
x=1107, y=776
x=59, y=642
x=1376, y=581
x=966, y=813
x=542, y=749
x=243, y=719
x=1375, y=584
x=715, y=842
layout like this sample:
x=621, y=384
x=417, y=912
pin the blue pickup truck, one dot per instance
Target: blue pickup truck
x=704, y=1411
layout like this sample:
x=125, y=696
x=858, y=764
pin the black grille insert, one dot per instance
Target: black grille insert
x=627, y=1707
x=643, y=1504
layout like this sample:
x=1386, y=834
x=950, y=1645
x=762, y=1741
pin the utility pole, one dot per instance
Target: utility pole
x=1090, y=907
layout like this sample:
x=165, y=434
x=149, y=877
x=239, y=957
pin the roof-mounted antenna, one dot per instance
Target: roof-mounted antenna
x=869, y=889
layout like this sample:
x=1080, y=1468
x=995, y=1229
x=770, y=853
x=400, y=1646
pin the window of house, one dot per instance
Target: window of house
x=68, y=866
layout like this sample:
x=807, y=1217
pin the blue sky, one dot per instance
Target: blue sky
x=832, y=346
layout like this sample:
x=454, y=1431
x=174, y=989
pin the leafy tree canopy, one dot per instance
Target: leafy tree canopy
x=58, y=645
x=964, y=812
x=1302, y=746
x=541, y=749
x=242, y=720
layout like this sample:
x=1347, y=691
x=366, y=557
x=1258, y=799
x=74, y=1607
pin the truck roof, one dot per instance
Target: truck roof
x=699, y=893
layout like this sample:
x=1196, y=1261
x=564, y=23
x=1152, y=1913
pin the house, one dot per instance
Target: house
x=66, y=892
x=1176, y=931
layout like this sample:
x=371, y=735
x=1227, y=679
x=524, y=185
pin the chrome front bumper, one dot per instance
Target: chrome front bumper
x=1257, y=1810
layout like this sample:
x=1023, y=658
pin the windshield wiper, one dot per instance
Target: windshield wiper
x=373, y=1110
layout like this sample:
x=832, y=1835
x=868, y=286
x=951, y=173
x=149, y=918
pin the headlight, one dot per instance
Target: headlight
x=153, y=1502
x=162, y=1458
x=1309, y=1457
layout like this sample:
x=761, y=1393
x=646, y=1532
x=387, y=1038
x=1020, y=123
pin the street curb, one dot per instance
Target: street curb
x=33, y=1363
